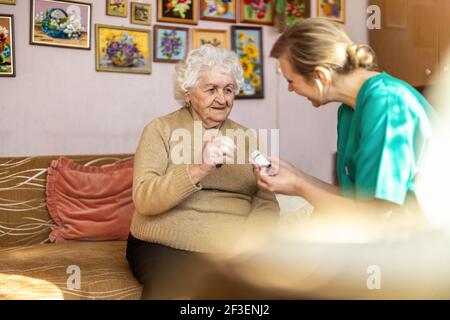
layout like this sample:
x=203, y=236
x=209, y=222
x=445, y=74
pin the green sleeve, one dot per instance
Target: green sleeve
x=385, y=158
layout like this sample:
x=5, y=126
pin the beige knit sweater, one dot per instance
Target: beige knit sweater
x=173, y=211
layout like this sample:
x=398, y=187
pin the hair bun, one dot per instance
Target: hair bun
x=361, y=56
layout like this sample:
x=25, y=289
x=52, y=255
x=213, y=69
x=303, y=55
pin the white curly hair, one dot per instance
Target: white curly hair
x=188, y=72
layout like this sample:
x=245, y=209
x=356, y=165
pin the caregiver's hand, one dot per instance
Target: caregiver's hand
x=282, y=177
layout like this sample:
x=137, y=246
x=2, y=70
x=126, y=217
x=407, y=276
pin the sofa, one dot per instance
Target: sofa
x=31, y=267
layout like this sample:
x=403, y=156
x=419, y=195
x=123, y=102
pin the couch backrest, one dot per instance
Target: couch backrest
x=24, y=218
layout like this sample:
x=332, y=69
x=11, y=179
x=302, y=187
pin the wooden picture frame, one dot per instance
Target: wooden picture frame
x=12, y=2
x=46, y=14
x=171, y=44
x=174, y=11
x=214, y=37
x=141, y=13
x=121, y=49
x=7, y=46
x=247, y=42
x=218, y=10
x=334, y=10
x=117, y=8
x=257, y=12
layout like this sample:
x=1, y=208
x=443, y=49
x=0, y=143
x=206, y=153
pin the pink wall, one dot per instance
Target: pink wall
x=59, y=104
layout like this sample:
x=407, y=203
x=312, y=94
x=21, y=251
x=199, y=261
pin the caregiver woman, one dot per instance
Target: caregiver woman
x=383, y=123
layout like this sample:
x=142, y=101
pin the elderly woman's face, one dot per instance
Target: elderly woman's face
x=212, y=99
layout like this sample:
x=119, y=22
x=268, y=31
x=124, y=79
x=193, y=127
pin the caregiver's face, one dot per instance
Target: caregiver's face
x=212, y=99
x=298, y=83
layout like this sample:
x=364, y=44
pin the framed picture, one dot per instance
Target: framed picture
x=7, y=1
x=61, y=24
x=331, y=9
x=257, y=11
x=247, y=42
x=141, y=13
x=120, y=49
x=171, y=44
x=217, y=38
x=118, y=8
x=218, y=10
x=178, y=11
x=297, y=10
x=7, y=48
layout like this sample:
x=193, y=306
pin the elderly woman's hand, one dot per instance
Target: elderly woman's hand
x=281, y=177
x=218, y=151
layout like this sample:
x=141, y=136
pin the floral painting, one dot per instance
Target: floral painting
x=61, y=24
x=331, y=9
x=118, y=8
x=7, y=49
x=120, y=49
x=171, y=43
x=257, y=11
x=141, y=13
x=247, y=43
x=217, y=38
x=290, y=12
x=218, y=10
x=178, y=11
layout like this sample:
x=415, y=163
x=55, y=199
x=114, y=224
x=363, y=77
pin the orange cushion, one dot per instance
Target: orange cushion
x=88, y=202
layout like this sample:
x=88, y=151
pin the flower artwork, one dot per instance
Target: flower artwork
x=178, y=11
x=118, y=8
x=247, y=43
x=122, y=49
x=171, y=43
x=296, y=10
x=217, y=38
x=290, y=12
x=7, y=55
x=257, y=11
x=218, y=10
x=141, y=13
x=331, y=9
x=61, y=23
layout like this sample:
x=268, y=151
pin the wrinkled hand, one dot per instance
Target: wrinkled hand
x=218, y=151
x=281, y=177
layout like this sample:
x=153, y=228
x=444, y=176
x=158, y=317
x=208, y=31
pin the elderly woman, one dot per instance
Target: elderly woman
x=187, y=212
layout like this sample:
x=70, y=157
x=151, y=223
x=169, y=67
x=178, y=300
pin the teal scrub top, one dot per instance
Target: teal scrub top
x=382, y=141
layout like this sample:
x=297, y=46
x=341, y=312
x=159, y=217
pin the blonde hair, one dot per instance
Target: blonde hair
x=320, y=42
x=188, y=72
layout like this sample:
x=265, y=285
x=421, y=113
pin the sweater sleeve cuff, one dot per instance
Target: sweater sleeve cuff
x=185, y=185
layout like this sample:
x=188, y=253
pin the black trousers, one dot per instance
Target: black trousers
x=168, y=273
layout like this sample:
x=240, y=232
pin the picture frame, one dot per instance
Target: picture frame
x=7, y=46
x=75, y=17
x=174, y=11
x=122, y=49
x=12, y=2
x=171, y=44
x=331, y=9
x=257, y=12
x=117, y=8
x=218, y=10
x=297, y=10
x=141, y=13
x=214, y=37
x=247, y=42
